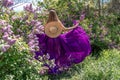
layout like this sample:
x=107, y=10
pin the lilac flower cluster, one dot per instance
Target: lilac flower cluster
x=26, y=21
x=50, y=65
x=7, y=3
x=47, y=63
x=33, y=40
x=31, y=9
x=82, y=17
x=103, y=31
x=6, y=35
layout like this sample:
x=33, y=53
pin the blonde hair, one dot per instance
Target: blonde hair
x=52, y=16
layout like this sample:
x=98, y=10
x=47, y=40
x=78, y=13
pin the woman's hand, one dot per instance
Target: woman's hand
x=76, y=23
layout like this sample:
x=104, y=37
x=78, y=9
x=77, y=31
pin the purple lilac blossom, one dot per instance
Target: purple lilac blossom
x=14, y=18
x=4, y=29
x=75, y=22
x=31, y=43
x=7, y=3
x=25, y=18
x=33, y=39
x=35, y=16
x=11, y=41
x=5, y=48
x=37, y=24
x=42, y=72
x=2, y=22
x=7, y=35
x=9, y=26
x=29, y=8
x=90, y=26
x=82, y=17
x=19, y=30
x=33, y=22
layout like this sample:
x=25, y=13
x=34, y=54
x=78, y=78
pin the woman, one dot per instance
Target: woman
x=66, y=49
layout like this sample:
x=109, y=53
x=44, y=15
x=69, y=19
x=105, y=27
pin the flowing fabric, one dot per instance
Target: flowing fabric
x=69, y=48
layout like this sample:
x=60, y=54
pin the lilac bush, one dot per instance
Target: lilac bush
x=25, y=21
x=21, y=23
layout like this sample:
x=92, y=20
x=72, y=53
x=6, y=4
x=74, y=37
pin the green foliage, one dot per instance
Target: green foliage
x=67, y=10
x=15, y=64
x=105, y=67
x=105, y=28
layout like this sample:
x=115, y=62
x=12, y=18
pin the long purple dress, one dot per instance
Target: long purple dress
x=67, y=49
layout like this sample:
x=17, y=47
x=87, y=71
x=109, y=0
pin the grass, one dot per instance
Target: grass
x=106, y=67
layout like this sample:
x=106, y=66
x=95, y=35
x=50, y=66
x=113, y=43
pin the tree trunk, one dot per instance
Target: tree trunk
x=99, y=6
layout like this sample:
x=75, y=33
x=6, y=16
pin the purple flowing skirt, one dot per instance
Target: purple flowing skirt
x=67, y=49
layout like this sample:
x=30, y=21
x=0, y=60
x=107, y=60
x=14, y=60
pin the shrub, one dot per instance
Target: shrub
x=17, y=63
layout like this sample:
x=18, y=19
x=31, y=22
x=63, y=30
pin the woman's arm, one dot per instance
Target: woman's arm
x=70, y=28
